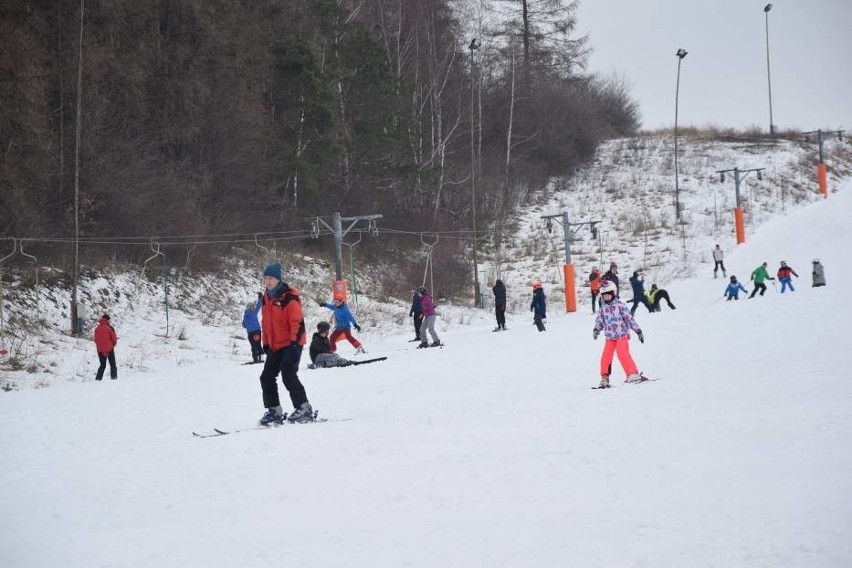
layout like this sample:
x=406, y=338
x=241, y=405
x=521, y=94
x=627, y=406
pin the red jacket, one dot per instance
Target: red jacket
x=105, y=338
x=785, y=272
x=283, y=323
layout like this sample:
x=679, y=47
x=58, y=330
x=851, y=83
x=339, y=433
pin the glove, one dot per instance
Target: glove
x=595, y=333
x=640, y=336
x=267, y=350
x=259, y=295
x=320, y=303
x=357, y=327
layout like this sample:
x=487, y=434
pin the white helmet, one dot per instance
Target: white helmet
x=608, y=286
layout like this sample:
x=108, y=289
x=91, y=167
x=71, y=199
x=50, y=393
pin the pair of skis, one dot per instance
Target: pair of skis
x=217, y=432
x=643, y=380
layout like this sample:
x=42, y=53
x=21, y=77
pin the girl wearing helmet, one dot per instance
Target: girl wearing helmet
x=615, y=321
x=538, y=305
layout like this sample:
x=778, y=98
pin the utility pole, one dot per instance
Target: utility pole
x=822, y=170
x=568, y=268
x=336, y=228
x=739, y=176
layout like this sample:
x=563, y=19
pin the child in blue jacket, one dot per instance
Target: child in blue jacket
x=252, y=327
x=732, y=292
x=343, y=322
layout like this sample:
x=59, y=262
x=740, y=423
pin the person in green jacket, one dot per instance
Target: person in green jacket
x=759, y=276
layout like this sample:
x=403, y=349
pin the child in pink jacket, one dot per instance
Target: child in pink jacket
x=615, y=321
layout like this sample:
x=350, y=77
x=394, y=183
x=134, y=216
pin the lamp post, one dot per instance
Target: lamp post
x=681, y=53
x=474, y=45
x=766, y=10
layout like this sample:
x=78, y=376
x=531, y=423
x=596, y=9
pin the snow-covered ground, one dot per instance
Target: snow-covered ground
x=492, y=451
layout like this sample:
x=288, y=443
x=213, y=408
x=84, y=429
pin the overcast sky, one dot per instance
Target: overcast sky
x=723, y=78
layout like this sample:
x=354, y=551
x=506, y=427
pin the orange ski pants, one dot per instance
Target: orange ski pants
x=338, y=335
x=621, y=347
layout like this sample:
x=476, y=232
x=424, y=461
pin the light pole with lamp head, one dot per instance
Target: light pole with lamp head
x=681, y=53
x=474, y=45
x=766, y=10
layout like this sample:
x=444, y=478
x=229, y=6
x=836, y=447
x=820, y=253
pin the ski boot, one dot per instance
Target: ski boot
x=273, y=417
x=604, y=384
x=436, y=343
x=360, y=351
x=302, y=414
x=423, y=345
x=635, y=378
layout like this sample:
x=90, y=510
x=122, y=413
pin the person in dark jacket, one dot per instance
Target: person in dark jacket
x=105, y=342
x=538, y=305
x=499, y=290
x=416, y=312
x=612, y=276
x=252, y=326
x=657, y=295
x=637, y=282
x=320, y=350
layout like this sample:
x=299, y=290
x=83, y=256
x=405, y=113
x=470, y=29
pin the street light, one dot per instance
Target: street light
x=474, y=45
x=681, y=53
x=766, y=10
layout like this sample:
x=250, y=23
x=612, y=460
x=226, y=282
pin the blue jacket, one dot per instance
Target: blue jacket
x=733, y=289
x=539, y=304
x=343, y=318
x=250, y=321
x=638, y=286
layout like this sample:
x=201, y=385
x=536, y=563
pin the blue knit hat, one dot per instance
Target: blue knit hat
x=275, y=270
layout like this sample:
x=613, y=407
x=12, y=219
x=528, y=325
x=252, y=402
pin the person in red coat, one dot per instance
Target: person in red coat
x=105, y=342
x=283, y=336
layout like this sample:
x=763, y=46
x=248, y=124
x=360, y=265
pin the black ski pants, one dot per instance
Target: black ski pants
x=719, y=264
x=761, y=287
x=286, y=362
x=254, y=342
x=113, y=370
x=418, y=319
x=640, y=299
x=500, y=313
x=594, y=300
x=662, y=295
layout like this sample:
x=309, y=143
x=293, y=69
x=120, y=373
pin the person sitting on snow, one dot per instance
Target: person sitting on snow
x=320, y=351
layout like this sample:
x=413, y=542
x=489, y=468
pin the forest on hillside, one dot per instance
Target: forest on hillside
x=126, y=119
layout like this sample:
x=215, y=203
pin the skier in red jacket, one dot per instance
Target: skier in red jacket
x=105, y=342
